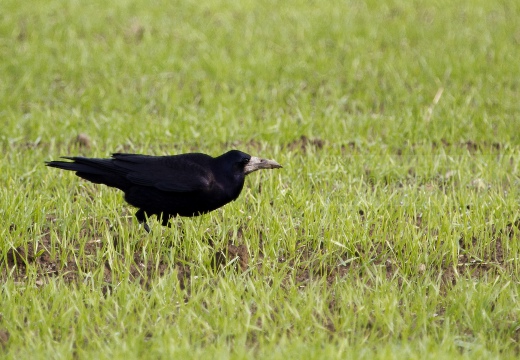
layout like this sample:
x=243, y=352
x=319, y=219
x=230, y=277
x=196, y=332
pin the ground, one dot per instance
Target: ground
x=392, y=230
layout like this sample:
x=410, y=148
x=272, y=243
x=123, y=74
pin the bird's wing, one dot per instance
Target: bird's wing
x=166, y=173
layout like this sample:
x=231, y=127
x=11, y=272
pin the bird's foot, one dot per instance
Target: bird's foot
x=141, y=217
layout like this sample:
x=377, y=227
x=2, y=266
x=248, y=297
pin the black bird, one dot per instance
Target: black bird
x=168, y=186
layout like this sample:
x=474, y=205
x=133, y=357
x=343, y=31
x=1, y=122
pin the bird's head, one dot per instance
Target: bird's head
x=247, y=163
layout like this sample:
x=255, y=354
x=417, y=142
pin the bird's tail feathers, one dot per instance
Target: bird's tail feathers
x=100, y=171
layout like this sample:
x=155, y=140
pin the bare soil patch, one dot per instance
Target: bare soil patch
x=311, y=260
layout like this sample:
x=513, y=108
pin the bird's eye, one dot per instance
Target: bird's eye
x=245, y=161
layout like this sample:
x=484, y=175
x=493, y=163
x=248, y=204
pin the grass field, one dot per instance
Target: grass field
x=392, y=231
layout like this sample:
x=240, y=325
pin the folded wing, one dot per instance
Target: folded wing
x=166, y=173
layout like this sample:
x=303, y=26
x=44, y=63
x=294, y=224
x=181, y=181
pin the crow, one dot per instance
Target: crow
x=168, y=186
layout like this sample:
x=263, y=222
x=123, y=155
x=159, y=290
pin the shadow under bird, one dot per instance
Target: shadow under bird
x=168, y=186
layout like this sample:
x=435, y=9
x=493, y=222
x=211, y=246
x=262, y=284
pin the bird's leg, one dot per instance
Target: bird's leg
x=165, y=220
x=171, y=221
x=141, y=217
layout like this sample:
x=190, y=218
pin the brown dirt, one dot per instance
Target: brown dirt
x=22, y=260
x=309, y=261
x=4, y=337
x=303, y=143
x=232, y=252
x=83, y=140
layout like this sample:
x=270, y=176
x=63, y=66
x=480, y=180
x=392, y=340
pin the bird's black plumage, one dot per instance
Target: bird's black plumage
x=168, y=186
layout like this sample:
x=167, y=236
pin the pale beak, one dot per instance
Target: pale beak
x=256, y=163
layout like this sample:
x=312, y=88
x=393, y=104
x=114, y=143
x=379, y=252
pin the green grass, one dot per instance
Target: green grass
x=391, y=232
